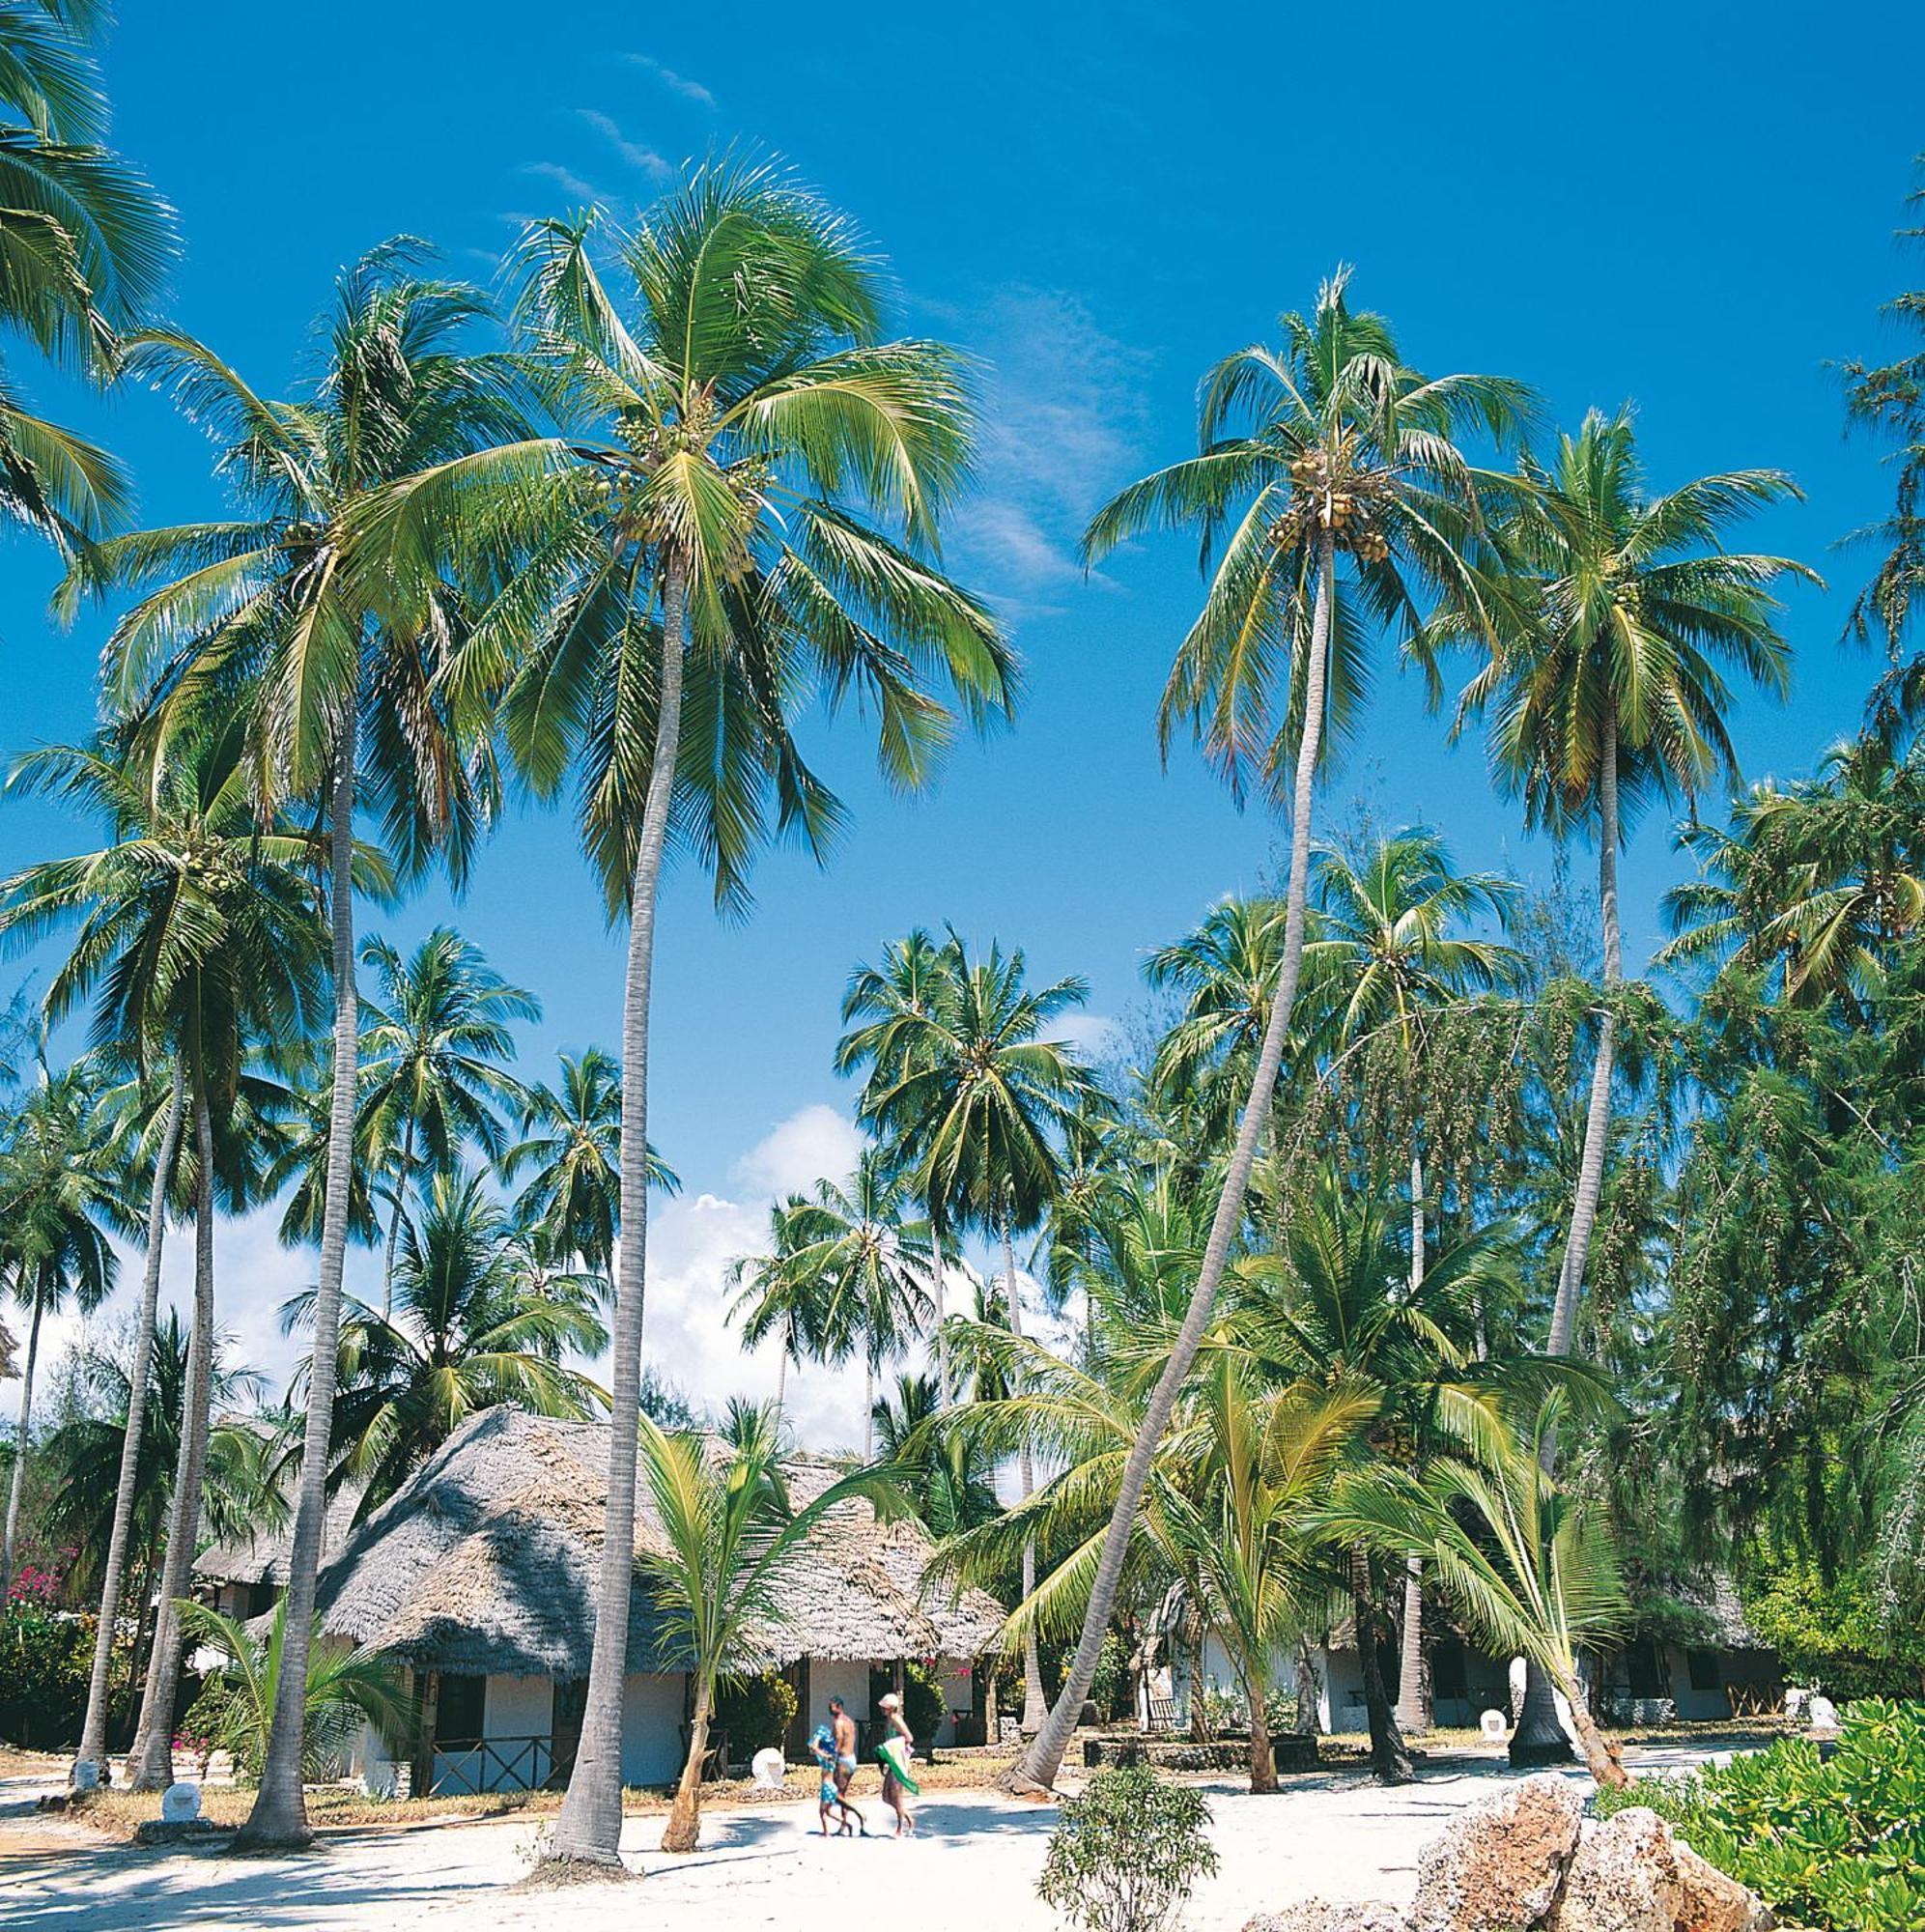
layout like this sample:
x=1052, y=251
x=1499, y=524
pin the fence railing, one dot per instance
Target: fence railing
x=466, y=1768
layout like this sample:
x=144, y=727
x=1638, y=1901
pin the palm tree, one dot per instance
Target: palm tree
x=1607, y=689
x=728, y=1534
x=276, y=609
x=1274, y=1455
x=85, y=246
x=1387, y=960
x=980, y=1102
x=1818, y=882
x=946, y=1479
x=1225, y=970
x=59, y=1192
x=1531, y=1567
x=783, y=1293
x=467, y=1329
x=695, y=559
x=345, y=1689
x=884, y=1008
x=1343, y=501
x=572, y=1138
x=433, y=1046
x=197, y=928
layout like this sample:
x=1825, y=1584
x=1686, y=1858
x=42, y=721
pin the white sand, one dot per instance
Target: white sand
x=971, y=1867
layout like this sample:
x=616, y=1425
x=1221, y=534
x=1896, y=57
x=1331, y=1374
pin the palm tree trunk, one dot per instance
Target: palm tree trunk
x=1309, y=1684
x=1035, y=1704
x=394, y=1219
x=1598, y=1118
x=589, y=1827
x=1040, y=1765
x=1412, y=1706
x=1263, y=1760
x=941, y=1306
x=94, y=1730
x=151, y=1762
x=781, y=1379
x=868, y=1409
x=1538, y=1738
x=1601, y=1757
x=11, y=1542
x=279, y=1817
x=683, y=1830
x=1390, y=1758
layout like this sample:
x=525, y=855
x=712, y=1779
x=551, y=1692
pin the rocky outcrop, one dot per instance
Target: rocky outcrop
x=1528, y=1861
x=1499, y=1867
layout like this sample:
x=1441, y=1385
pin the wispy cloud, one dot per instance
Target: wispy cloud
x=569, y=183
x=1062, y=420
x=675, y=83
x=636, y=154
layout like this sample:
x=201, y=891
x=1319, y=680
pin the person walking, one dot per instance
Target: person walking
x=895, y=1752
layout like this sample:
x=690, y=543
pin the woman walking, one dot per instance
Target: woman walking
x=894, y=1752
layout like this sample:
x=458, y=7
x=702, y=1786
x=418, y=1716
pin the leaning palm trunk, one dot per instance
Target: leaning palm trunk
x=1413, y=1712
x=94, y=1730
x=941, y=1306
x=1597, y=1118
x=1601, y=1757
x=394, y=1219
x=1040, y=1765
x=589, y=1827
x=684, y=1830
x=8, y=1547
x=279, y=1817
x=1538, y=1738
x=1309, y=1691
x=1035, y=1703
x=151, y=1762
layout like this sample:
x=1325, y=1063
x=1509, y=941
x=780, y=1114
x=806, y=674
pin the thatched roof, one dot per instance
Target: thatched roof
x=486, y=1562
x=263, y=1558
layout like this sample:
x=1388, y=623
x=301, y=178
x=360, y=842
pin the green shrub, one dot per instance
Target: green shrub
x=1836, y=1636
x=756, y=1712
x=923, y=1705
x=45, y=1661
x=1838, y=1846
x=1110, y=1688
x=1127, y=1853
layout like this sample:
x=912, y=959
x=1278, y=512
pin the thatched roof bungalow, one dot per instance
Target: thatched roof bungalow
x=479, y=1574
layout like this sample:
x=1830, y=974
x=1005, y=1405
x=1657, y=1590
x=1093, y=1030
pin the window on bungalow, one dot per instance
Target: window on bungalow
x=458, y=1716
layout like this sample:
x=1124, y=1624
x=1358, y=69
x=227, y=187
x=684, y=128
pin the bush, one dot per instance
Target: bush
x=1127, y=1853
x=756, y=1712
x=1835, y=1637
x=46, y=1658
x=923, y=1705
x=1109, y=1688
x=1838, y=1846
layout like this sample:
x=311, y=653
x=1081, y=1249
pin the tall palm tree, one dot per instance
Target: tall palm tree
x=466, y=1330
x=728, y=1534
x=947, y=1480
x=571, y=1137
x=880, y=1274
x=60, y=1192
x=980, y=1102
x=276, y=608
x=700, y=555
x=433, y=1046
x=1608, y=690
x=783, y=1293
x=196, y=933
x=85, y=246
x=1818, y=882
x=1388, y=958
x=1331, y=495
x=884, y=1008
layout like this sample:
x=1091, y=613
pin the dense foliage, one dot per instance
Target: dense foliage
x=1127, y=1854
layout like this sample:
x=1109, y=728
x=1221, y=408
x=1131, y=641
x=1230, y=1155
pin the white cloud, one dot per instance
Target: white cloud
x=814, y=1145
x=635, y=152
x=1063, y=413
x=1090, y=1033
x=570, y=184
x=675, y=83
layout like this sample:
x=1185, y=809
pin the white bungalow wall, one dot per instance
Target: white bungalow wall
x=515, y=1710
x=652, y=1708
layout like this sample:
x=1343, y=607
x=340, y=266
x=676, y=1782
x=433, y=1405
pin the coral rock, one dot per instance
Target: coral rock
x=1624, y=1879
x=1500, y=1866
x=1709, y=1901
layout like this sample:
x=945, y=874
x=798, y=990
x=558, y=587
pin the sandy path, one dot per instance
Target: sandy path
x=973, y=1867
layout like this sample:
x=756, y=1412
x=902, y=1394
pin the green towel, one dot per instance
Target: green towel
x=894, y=1756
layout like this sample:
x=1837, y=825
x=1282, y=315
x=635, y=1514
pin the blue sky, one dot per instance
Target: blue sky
x=1686, y=206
